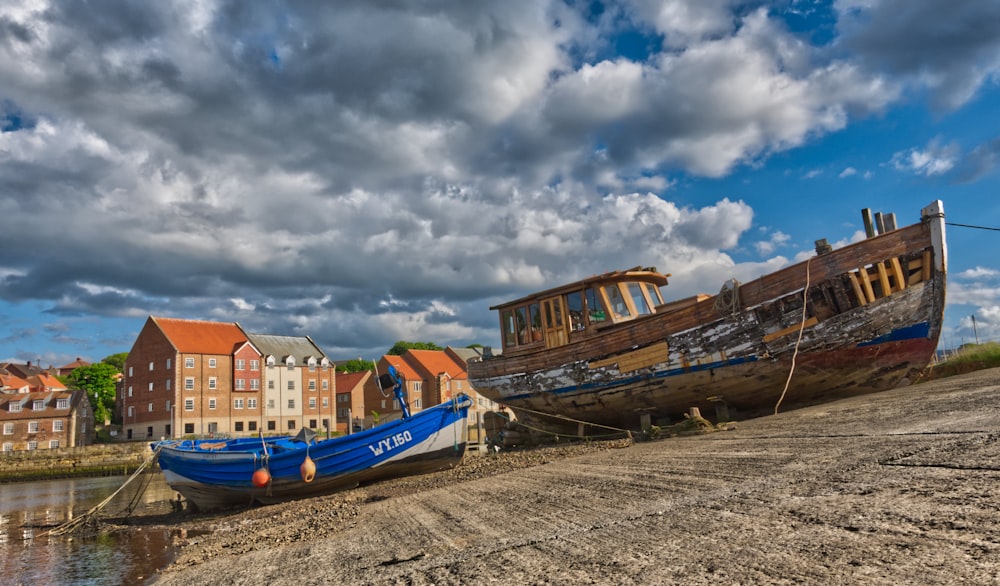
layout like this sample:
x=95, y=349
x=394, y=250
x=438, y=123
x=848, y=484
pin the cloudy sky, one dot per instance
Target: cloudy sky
x=366, y=172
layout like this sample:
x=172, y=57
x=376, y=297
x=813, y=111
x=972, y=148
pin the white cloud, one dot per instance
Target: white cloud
x=848, y=172
x=979, y=273
x=934, y=159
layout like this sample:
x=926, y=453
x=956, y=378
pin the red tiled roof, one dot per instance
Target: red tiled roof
x=436, y=362
x=75, y=364
x=10, y=381
x=348, y=381
x=45, y=382
x=402, y=367
x=201, y=337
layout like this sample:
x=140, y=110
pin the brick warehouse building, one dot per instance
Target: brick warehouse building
x=192, y=377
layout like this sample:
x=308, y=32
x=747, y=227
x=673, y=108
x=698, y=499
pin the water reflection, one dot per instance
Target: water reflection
x=29, y=509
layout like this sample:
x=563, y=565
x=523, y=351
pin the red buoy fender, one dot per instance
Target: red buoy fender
x=261, y=478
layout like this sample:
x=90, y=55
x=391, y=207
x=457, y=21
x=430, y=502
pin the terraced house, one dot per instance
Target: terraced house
x=37, y=412
x=193, y=377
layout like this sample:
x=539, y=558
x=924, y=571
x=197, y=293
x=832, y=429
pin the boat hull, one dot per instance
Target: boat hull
x=738, y=361
x=215, y=475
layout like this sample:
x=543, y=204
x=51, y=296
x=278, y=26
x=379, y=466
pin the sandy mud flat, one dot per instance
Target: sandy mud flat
x=894, y=488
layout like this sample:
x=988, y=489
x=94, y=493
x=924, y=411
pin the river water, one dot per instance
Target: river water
x=29, y=509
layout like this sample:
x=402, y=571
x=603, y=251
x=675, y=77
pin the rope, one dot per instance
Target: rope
x=76, y=522
x=971, y=226
x=727, y=302
x=563, y=417
x=802, y=327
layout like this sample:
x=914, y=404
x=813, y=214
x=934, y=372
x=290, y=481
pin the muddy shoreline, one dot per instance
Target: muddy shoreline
x=897, y=487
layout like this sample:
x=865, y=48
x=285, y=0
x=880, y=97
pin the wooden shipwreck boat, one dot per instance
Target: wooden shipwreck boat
x=608, y=350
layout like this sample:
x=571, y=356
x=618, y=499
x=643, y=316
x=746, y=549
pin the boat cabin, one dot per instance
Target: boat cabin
x=579, y=310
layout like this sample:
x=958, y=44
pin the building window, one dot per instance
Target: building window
x=130, y=390
x=270, y=403
x=312, y=368
x=241, y=364
x=271, y=426
x=32, y=445
x=312, y=423
x=237, y=403
x=8, y=447
x=189, y=404
x=416, y=386
x=53, y=444
x=13, y=407
x=131, y=411
x=8, y=429
x=149, y=408
x=270, y=385
x=150, y=387
x=38, y=405
x=211, y=403
x=57, y=425
x=32, y=427
x=270, y=361
x=291, y=424
x=188, y=383
x=254, y=365
x=254, y=384
x=458, y=385
x=62, y=403
x=290, y=364
x=130, y=372
x=326, y=385
x=150, y=366
x=188, y=428
x=238, y=426
x=252, y=426
x=343, y=412
x=343, y=398
x=251, y=404
x=189, y=363
x=312, y=385
x=168, y=405
x=291, y=403
x=149, y=431
x=416, y=403
x=291, y=385
x=168, y=384
x=168, y=364
x=241, y=384
x=212, y=383
x=211, y=362
x=326, y=402
x=312, y=405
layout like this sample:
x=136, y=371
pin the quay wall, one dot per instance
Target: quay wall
x=94, y=460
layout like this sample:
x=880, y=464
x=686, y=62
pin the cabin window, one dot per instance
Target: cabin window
x=653, y=292
x=616, y=300
x=595, y=308
x=638, y=300
x=509, y=328
x=523, y=333
x=574, y=305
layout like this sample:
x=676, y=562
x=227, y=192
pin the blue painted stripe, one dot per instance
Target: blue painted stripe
x=637, y=378
x=920, y=330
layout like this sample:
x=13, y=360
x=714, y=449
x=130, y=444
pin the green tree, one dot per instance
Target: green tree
x=400, y=347
x=98, y=380
x=356, y=365
x=116, y=360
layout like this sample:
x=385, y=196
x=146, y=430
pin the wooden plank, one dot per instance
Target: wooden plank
x=791, y=329
x=925, y=272
x=883, y=278
x=862, y=299
x=897, y=273
x=641, y=358
x=866, y=282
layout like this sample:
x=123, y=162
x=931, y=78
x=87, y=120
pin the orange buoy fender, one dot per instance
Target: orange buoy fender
x=261, y=478
x=308, y=469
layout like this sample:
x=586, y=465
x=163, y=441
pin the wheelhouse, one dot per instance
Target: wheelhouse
x=580, y=310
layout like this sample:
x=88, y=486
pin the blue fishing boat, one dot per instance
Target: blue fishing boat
x=213, y=474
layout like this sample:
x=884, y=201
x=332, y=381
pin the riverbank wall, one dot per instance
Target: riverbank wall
x=95, y=460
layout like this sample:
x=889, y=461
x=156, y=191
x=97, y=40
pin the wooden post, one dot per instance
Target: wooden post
x=866, y=215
